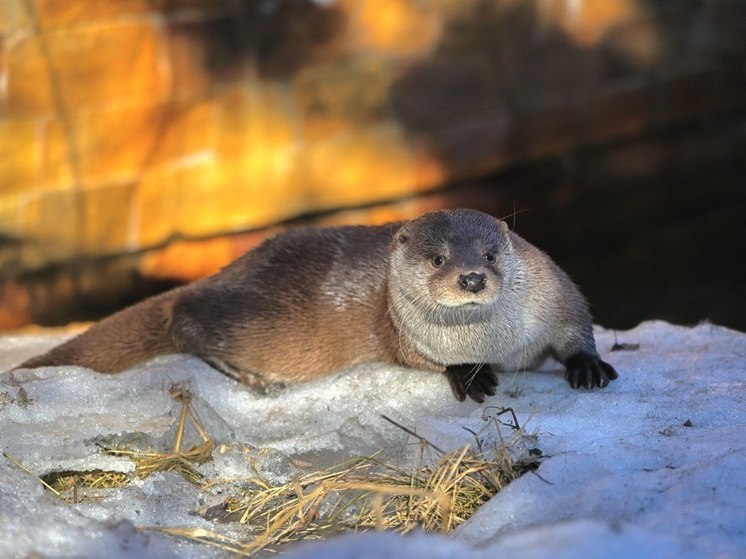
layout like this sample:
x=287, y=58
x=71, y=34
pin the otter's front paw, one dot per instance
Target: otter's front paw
x=476, y=381
x=584, y=369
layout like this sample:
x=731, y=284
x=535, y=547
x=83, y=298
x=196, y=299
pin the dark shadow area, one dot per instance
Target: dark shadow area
x=292, y=34
x=278, y=37
x=471, y=97
x=668, y=245
x=87, y=291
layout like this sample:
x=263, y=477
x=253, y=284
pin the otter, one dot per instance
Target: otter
x=452, y=291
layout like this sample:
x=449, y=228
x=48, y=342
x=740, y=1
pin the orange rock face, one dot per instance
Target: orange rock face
x=127, y=125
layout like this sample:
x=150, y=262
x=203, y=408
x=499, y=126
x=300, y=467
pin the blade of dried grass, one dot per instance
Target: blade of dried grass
x=208, y=537
x=181, y=462
x=23, y=468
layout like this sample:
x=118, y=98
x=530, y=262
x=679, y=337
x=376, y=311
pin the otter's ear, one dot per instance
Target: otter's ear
x=401, y=237
x=505, y=232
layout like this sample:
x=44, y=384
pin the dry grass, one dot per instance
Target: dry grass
x=177, y=460
x=68, y=485
x=360, y=494
x=366, y=493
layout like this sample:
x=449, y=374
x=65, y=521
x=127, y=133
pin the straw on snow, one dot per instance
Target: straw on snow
x=360, y=494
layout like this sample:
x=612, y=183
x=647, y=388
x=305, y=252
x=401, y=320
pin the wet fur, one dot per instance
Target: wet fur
x=311, y=302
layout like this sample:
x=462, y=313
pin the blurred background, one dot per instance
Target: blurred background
x=146, y=143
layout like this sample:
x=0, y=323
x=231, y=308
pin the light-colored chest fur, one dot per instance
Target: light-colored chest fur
x=504, y=336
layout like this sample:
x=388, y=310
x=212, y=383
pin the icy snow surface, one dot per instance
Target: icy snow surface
x=623, y=475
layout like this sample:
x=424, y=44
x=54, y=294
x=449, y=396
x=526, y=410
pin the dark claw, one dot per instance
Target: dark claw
x=459, y=391
x=589, y=371
x=476, y=381
x=486, y=382
x=571, y=376
x=599, y=376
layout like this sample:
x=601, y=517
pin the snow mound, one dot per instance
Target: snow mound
x=650, y=466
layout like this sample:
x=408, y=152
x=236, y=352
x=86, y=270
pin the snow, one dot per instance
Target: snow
x=623, y=474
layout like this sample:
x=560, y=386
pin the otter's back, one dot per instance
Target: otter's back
x=280, y=308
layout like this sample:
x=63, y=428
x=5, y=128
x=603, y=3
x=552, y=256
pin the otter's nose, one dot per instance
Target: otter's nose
x=472, y=281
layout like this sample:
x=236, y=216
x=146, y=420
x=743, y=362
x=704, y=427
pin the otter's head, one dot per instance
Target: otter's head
x=451, y=259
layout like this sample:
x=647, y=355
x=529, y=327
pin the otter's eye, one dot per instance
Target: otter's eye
x=490, y=257
x=438, y=261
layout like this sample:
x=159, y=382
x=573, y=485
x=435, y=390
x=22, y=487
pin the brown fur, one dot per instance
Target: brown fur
x=311, y=302
x=122, y=340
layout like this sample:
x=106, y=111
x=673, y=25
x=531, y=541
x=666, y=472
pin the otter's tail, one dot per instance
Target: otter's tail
x=118, y=342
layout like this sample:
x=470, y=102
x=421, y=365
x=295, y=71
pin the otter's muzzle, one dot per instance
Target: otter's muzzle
x=473, y=282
